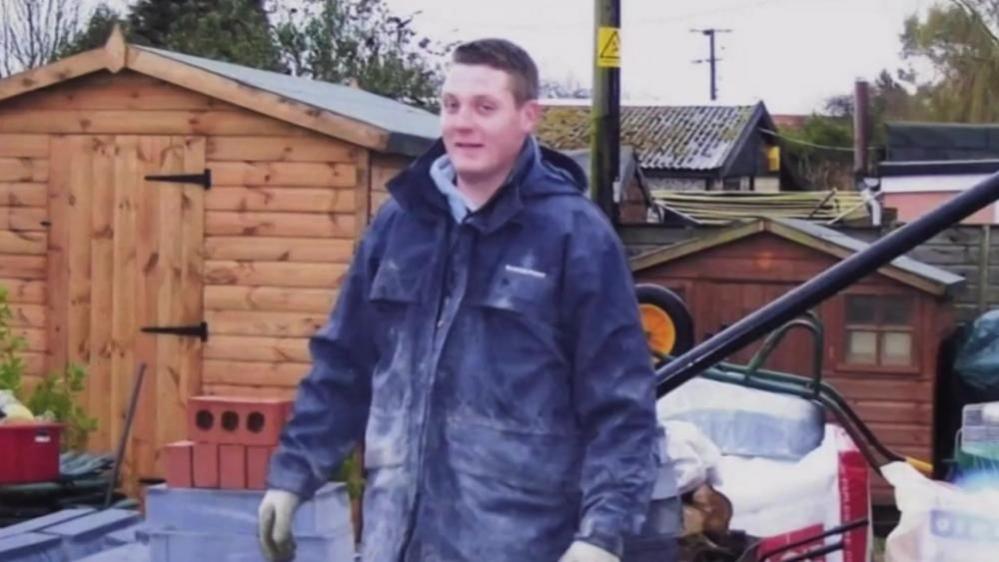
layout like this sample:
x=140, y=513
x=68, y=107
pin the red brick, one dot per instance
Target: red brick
x=232, y=467
x=257, y=462
x=236, y=421
x=206, y=465
x=179, y=461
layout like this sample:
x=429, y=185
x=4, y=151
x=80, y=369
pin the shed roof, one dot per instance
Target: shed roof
x=907, y=141
x=691, y=138
x=351, y=114
x=906, y=270
x=628, y=170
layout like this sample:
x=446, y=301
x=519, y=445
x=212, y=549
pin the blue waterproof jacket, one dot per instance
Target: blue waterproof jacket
x=495, y=369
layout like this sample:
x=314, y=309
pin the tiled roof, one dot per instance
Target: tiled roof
x=666, y=137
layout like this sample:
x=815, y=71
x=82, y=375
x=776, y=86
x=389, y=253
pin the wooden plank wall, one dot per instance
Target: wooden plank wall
x=24, y=176
x=280, y=221
x=957, y=249
x=383, y=168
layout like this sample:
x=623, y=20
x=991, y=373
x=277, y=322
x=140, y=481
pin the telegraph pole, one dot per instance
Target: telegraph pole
x=712, y=60
x=605, y=153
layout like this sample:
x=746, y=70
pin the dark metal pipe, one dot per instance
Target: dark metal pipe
x=818, y=553
x=823, y=286
x=119, y=456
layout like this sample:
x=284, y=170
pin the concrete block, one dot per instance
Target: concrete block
x=235, y=511
x=206, y=465
x=39, y=523
x=31, y=547
x=232, y=467
x=236, y=421
x=136, y=533
x=176, y=546
x=132, y=552
x=179, y=464
x=85, y=535
x=258, y=460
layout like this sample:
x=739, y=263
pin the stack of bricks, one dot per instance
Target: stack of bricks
x=215, y=481
x=230, y=441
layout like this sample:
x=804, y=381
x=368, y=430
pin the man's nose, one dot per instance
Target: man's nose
x=461, y=118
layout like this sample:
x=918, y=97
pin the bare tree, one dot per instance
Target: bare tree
x=567, y=88
x=33, y=32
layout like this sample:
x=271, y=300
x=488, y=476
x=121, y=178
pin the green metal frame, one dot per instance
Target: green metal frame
x=811, y=388
x=808, y=321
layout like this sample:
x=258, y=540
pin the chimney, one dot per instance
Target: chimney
x=861, y=130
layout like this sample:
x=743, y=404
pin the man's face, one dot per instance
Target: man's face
x=482, y=125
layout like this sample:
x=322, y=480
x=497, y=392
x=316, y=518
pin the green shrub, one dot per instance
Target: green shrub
x=55, y=397
x=11, y=365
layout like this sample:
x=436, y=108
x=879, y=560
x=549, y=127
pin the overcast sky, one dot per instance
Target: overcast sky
x=792, y=54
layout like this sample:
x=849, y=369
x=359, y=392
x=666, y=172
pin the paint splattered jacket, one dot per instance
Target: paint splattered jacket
x=496, y=370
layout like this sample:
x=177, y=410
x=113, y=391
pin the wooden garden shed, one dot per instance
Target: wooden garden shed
x=142, y=188
x=882, y=333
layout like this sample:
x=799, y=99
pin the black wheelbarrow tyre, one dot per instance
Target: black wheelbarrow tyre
x=673, y=306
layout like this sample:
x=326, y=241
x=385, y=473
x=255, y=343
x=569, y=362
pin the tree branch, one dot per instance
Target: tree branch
x=977, y=16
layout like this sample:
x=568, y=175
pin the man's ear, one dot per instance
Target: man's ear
x=530, y=114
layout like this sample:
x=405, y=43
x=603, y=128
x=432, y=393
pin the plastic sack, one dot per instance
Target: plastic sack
x=745, y=421
x=784, y=502
x=12, y=411
x=941, y=522
x=657, y=539
x=977, y=360
x=693, y=455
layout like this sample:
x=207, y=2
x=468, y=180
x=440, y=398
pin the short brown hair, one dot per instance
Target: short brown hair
x=506, y=56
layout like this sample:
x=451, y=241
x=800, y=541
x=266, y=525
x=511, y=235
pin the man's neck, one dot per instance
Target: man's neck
x=479, y=190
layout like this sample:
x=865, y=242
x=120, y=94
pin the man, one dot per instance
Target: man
x=486, y=347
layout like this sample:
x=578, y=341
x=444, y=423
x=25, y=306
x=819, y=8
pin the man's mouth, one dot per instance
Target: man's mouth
x=467, y=145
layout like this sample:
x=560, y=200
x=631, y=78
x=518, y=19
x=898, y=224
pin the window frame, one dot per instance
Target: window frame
x=914, y=328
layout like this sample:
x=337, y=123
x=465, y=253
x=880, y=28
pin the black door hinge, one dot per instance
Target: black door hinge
x=203, y=179
x=197, y=330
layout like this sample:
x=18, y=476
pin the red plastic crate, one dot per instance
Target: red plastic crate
x=29, y=452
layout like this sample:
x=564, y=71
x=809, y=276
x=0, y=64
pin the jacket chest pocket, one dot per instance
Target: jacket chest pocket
x=394, y=291
x=530, y=295
x=394, y=284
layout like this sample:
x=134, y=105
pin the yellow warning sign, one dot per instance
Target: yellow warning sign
x=608, y=47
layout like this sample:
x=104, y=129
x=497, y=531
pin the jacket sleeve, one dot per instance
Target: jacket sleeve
x=613, y=385
x=332, y=403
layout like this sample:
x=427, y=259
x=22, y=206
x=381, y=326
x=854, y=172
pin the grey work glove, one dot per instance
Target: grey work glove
x=274, y=518
x=582, y=551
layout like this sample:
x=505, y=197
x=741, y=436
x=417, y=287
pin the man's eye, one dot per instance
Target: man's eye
x=486, y=108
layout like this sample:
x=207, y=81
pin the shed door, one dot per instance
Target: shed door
x=126, y=253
